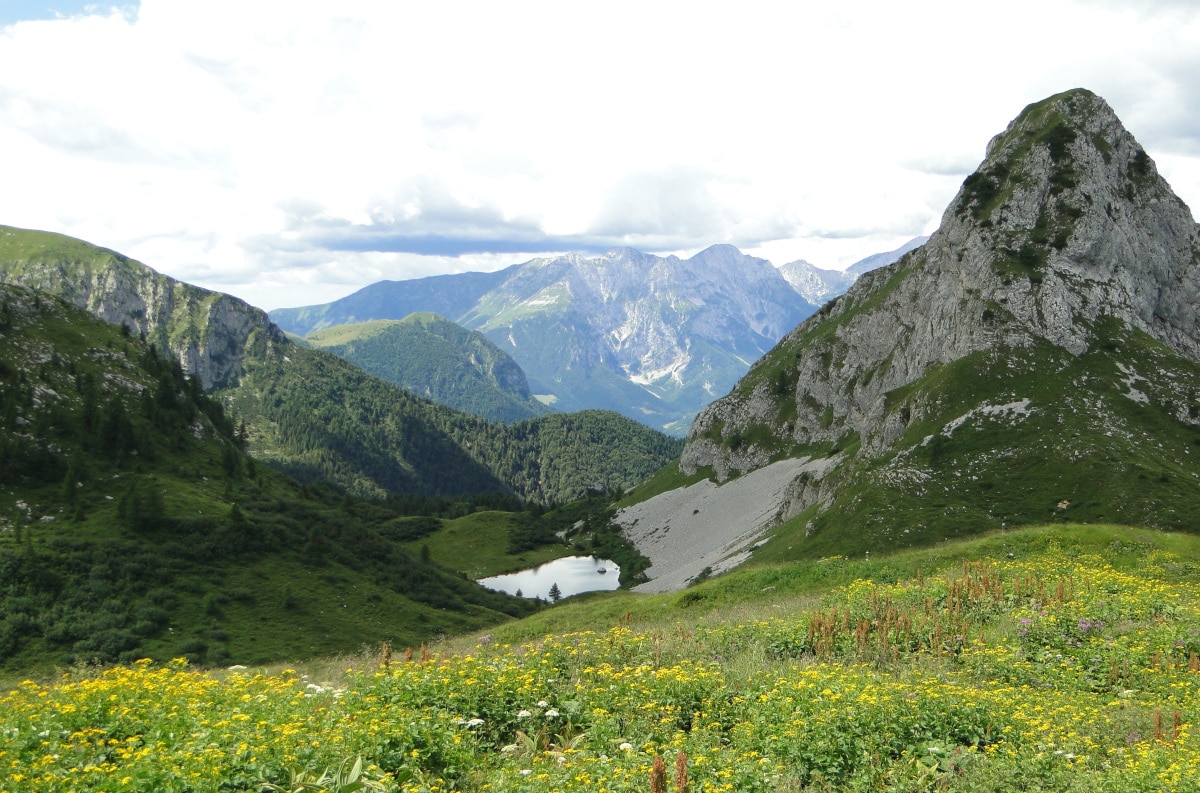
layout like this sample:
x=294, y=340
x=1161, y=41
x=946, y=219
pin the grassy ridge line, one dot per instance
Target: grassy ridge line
x=1072, y=666
x=431, y=356
x=320, y=418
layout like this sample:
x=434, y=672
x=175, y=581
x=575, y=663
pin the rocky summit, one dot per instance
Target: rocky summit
x=1035, y=359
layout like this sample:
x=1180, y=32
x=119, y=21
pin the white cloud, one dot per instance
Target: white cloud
x=290, y=153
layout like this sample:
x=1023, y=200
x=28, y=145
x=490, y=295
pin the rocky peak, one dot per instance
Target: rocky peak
x=210, y=333
x=814, y=284
x=1066, y=221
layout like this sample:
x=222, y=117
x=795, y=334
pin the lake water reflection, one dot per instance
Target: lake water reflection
x=573, y=574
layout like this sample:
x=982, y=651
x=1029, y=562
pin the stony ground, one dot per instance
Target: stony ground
x=706, y=525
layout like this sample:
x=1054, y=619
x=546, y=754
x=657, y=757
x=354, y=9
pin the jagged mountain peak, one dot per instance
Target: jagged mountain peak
x=1059, y=292
x=1066, y=221
x=1070, y=204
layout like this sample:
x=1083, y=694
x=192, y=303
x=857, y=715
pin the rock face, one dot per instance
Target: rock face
x=209, y=332
x=1066, y=220
x=1065, y=255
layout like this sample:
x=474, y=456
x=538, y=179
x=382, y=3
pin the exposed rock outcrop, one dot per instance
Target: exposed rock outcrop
x=1065, y=222
x=210, y=333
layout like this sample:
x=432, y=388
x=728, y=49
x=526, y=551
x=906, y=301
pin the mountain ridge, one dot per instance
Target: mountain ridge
x=652, y=337
x=1035, y=360
x=369, y=436
x=210, y=332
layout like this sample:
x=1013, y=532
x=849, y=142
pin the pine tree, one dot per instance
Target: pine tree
x=555, y=592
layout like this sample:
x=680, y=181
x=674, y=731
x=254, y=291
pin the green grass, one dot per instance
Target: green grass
x=1048, y=658
x=666, y=479
x=1086, y=450
x=477, y=545
x=133, y=525
x=361, y=331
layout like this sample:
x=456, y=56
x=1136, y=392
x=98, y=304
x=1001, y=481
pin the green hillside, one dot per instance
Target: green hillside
x=1016, y=436
x=319, y=417
x=437, y=359
x=132, y=524
x=1058, y=658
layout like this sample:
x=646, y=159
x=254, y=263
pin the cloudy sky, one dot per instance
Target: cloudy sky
x=291, y=152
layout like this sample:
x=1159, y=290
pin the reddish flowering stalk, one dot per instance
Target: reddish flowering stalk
x=658, y=776
x=681, y=774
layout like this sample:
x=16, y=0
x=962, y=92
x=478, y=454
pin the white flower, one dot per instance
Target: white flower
x=543, y=703
x=525, y=771
x=509, y=749
x=626, y=747
x=552, y=714
x=523, y=714
x=471, y=722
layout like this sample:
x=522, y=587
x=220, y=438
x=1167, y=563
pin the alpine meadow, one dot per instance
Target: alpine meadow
x=941, y=535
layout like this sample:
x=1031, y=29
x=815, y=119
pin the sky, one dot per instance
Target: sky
x=291, y=153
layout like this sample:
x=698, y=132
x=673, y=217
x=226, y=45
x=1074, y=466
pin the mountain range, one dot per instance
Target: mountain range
x=320, y=418
x=654, y=338
x=1037, y=359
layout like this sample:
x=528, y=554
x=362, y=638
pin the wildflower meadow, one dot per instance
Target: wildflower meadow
x=1058, y=671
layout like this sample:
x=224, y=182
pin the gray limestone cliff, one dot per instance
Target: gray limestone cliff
x=1065, y=223
x=210, y=333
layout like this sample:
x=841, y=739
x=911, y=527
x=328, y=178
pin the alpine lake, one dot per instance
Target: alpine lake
x=573, y=575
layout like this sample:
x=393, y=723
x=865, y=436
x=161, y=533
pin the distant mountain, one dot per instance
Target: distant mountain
x=819, y=286
x=1037, y=359
x=655, y=338
x=437, y=359
x=319, y=417
x=814, y=284
x=875, y=261
x=449, y=295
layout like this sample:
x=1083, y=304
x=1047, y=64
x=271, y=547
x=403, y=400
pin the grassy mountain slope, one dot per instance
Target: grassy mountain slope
x=439, y=360
x=132, y=524
x=1043, y=659
x=448, y=295
x=319, y=417
x=312, y=413
x=1022, y=436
